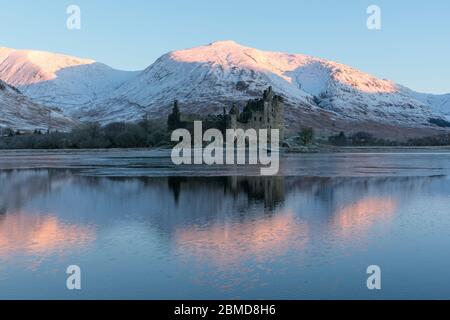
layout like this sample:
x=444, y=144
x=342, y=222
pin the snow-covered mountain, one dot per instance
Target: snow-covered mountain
x=440, y=103
x=18, y=112
x=59, y=80
x=319, y=92
x=208, y=78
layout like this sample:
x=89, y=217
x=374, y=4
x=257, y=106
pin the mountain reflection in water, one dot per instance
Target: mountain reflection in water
x=361, y=215
x=40, y=235
x=261, y=239
x=246, y=232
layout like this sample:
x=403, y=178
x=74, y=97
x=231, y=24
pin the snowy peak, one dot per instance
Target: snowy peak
x=296, y=69
x=26, y=67
x=211, y=77
x=59, y=80
x=4, y=53
x=208, y=78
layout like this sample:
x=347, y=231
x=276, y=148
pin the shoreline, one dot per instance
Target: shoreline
x=396, y=149
x=367, y=149
x=297, y=149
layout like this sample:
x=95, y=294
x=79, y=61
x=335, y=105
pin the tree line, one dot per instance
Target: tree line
x=368, y=139
x=146, y=133
x=359, y=139
x=154, y=133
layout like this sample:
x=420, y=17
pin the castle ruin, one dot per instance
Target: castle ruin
x=263, y=113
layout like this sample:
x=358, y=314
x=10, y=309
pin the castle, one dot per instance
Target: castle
x=264, y=113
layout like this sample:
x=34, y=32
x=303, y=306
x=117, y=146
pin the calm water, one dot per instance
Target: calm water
x=141, y=228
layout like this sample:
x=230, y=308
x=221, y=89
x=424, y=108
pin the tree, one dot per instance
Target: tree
x=7, y=132
x=173, y=122
x=133, y=136
x=338, y=140
x=362, y=139
x=306, y=136
x=89, y=136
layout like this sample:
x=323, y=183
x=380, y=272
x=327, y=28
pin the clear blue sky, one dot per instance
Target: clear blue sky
x=413, y=47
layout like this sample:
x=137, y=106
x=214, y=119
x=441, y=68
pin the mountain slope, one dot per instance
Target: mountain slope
x=20, y=113
x=59, y=80
x=318, y=92
x=440, y=103
x=208, y=78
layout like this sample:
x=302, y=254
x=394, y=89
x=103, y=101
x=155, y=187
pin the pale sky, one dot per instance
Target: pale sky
x=412, y=48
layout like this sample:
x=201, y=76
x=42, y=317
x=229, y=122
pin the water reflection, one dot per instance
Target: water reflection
x=268, y=190
x=360, y=216
x=214, y=207
x=262, y=239
x=40, y=235
x=239, y=231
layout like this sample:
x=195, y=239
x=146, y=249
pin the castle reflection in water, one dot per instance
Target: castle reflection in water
x=171, y=203
x=268, y=190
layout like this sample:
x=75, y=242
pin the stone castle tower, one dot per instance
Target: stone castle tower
x=263, y=113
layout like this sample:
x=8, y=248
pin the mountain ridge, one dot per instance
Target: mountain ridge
x=229, y=72
x=208, y=78
x=59, y=80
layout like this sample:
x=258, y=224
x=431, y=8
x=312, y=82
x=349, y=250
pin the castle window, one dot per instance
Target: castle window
x=260, y=119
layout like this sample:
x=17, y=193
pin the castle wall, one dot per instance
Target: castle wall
x=266, y=113
x=270, y=117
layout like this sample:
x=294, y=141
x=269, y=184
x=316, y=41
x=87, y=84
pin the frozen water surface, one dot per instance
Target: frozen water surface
x=140, y=227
